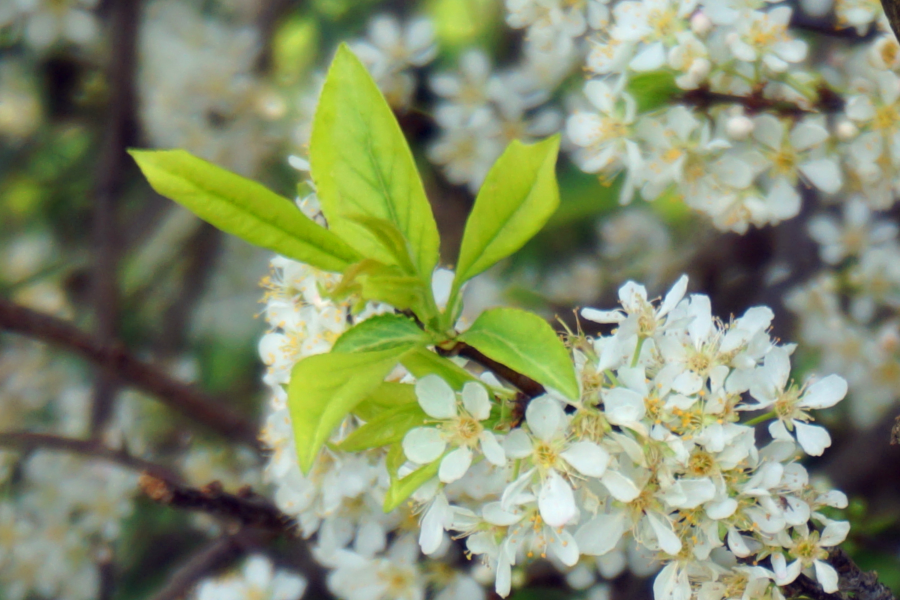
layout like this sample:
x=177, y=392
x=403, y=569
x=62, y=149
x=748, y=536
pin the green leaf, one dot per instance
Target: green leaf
x=401, y=489
x=362, y=165
x=394, y=459
x=387, y=428
x=372, y=280
x=324, y=388
x=525, y=343
x=387, y=396
x=391, y=239
x=421, y=362
x=381, y=332
x=243, y=208
x=515, y=201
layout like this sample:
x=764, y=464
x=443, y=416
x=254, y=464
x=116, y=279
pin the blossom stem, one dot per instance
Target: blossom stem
x=612, y=377
x=637, y=351
x=761, y=418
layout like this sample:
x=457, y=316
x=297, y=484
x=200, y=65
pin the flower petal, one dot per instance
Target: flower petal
x=826, y=576
x=825, y=393
x=455, y=465
x=492, y=449
x=601, y=534
x=587, y=457
x=620, y=487
x=545, y=417
x=436, y=397
x=556, y=500
x=665, y=535
x=475, y=399
x=518, y=444
x=813, y=439
x=423, y=445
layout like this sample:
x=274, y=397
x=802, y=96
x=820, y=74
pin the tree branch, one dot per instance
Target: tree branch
x=217, y=555
x=528, y=386
x=852, y=583
x=246, y=507
x=211, y=411
x=827, y=101
x=892, y=10
x=26, y=440
x=119, y=133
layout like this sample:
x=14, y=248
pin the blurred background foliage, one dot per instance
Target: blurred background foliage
x=186, y=297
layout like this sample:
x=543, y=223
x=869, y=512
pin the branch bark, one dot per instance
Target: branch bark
x=827, y=101
x=246, y=507
x=853, y=582
x=217, y=555
x=892, y=10
x=211, y=411
x=119, y=133
x=528, y=386
x=26, y=440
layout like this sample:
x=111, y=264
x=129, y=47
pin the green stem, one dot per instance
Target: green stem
x=637, y=351
x=761, y=418
x=612, y=377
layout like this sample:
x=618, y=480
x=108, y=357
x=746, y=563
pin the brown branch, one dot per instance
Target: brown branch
x=216, y=555
x=26, y=440
x=895, y=432
x=528, y=386
x=119, y=131
x=212, y=411
x=892, y=10
x=246, y=507
x=827, y=101
x=852, y=582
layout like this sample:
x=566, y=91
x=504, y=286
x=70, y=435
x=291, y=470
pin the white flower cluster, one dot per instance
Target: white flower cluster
x=199, y=90
x=480, y=112
x=57, y=523
x=391, y=51
x=43, y=23
x=651, y=458
x=763, y=110
x=257, y=580
x=848, y=311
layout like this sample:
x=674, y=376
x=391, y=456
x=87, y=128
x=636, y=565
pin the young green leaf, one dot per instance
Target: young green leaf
x=324, y=388
x=421, y=362
x=517, y=197
x=362, y=165
x=387, y=396
x=381, y=332
x=525, y=343
x=401, y=489
x=387, y=428
x=243, y=208
x=372, y=280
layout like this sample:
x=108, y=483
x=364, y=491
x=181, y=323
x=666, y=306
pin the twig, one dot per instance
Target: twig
x=895, y=432
x=827, y=101
x=217, y=555
x=246, y=507
x=852, y=582
x=203, y=250
x=892, y=10
x=119, y=131
x=528, y=386
x=26, y=440
x=211, y=411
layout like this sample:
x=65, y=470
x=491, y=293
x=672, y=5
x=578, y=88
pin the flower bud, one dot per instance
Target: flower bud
x=739, y=127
